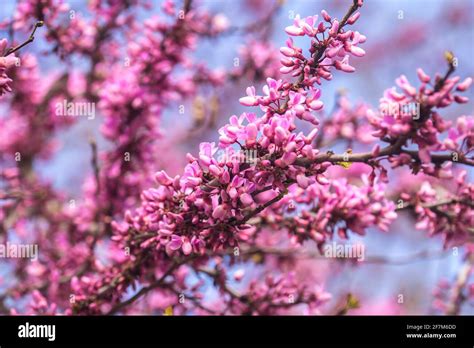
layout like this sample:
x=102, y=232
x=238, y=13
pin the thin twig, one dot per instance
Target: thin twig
x=30, y=39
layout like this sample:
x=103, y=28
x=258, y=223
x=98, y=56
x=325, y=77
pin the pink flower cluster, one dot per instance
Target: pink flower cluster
x=22, y=131
x=317, y=211
x=67, y=28
x=451, y=216
x=275, y=295
x=5, y=63
x=410, y=113
x=331, y=46
x=299, y=104
x=461, y=138
x=258, y=61
x=450, y=297
x=39, y=305
x=302, y=99
x=49, y=11
x=347, y=122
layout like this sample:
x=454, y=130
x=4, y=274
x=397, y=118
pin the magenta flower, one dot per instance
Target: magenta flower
x=5, y=63
x=303, y=27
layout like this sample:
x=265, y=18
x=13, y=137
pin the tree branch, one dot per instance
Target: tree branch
x=30, y=39
x=458, y=297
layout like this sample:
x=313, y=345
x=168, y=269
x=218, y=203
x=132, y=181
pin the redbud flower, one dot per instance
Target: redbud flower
x=5, y=63
x=422, y=76
x=463, y=86
x=251, y=99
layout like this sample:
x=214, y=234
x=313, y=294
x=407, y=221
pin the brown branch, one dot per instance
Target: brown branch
x=349, y=13
x=258, y=210
x=196, y=301
x=95, y=165
x=187, y=6
x=143, y=291
x=319, y=53
x=30, y=39
x=450, y=59
x=441, y=158
x=390, y=150
x=215, y=275
x=439, y=204
x=458, y=297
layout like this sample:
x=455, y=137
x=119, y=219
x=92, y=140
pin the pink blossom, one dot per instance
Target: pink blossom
x=5, y=63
